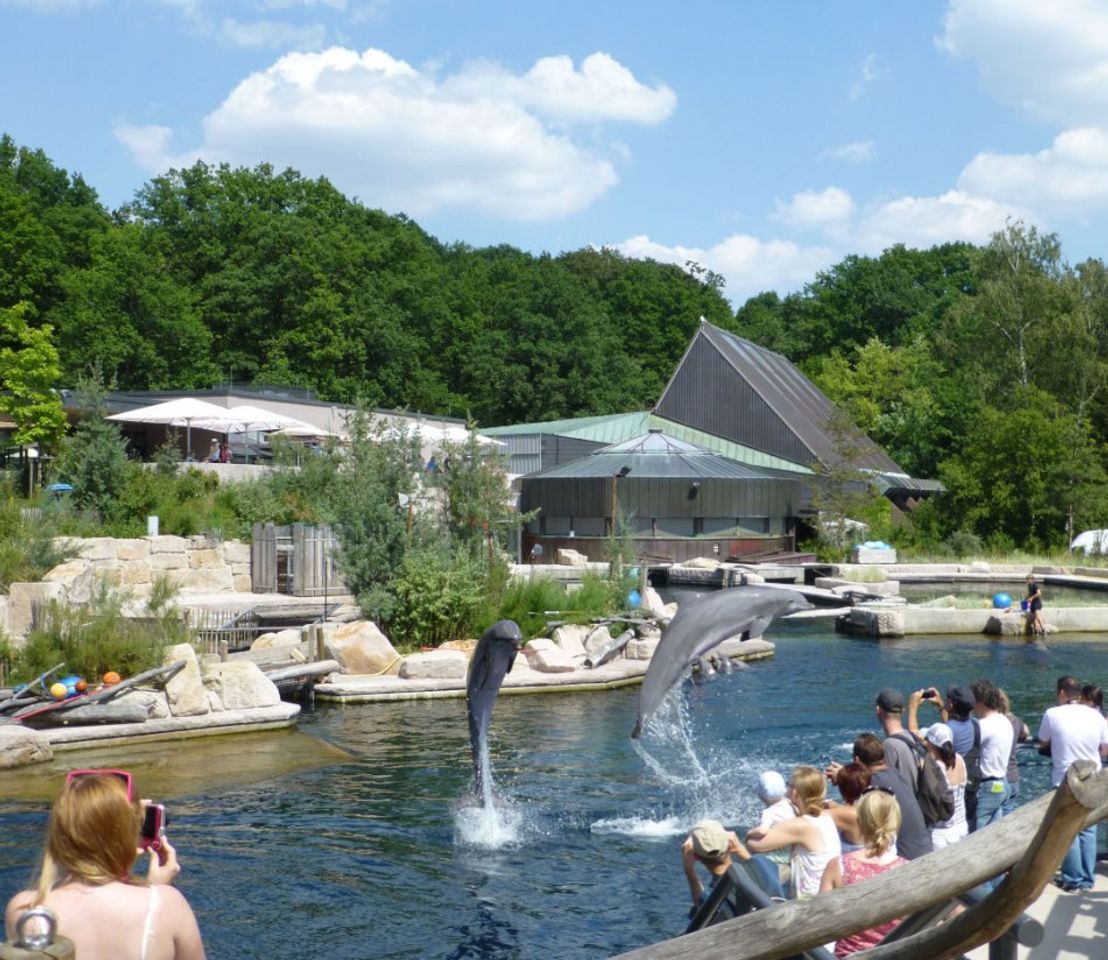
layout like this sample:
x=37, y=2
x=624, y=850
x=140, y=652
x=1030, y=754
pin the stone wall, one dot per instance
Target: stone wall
x=191, y=564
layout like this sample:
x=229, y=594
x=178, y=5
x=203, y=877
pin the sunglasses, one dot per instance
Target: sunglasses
x=876, y=789
x=123, y=775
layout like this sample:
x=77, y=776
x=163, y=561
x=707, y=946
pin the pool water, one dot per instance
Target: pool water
x=383, y=855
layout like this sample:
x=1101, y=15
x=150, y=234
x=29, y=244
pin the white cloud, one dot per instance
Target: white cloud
x=406, y=139
x=1069, y=178
x=272, y=34
x=861, y=151
x=749, y=264
x=826, y=209
x=603, y=89
x=1049, y=57
x=867, y=73
x=925, y=221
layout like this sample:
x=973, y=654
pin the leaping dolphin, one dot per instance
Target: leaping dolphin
x=701, y=625
x=491, y=661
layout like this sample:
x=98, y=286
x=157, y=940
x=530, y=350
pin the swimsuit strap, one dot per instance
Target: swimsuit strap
x=148, y=926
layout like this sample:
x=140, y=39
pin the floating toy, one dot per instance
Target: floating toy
x=111, y=678
x=1001, y=601
x=634, y=598
x=58, y=690
x=81, y=685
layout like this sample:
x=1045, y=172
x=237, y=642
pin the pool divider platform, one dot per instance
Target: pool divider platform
x=609, y=676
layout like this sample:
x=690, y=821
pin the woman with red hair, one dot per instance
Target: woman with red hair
x=86, y=877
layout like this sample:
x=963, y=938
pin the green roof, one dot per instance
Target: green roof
x=617, y=427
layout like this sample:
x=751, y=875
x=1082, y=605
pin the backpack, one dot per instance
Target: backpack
x=972, y=757
x=933, y=793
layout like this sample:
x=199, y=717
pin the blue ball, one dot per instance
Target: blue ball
x=634, y=598
x=1001, y=601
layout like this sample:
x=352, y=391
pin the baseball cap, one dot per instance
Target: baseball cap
x=961, y=698
x=939, y=734
x=890, y=700
x=771, y=785
x=709, y=839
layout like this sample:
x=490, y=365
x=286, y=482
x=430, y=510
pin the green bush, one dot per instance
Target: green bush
x=97, y=637
x=27, y=548
x=965, y=543
x=439, y=593
x=533, y=601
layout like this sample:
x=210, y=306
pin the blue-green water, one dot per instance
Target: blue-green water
x=378, y=857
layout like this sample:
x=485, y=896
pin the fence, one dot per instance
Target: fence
x=298, y=560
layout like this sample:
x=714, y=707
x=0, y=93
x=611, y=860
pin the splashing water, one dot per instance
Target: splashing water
x=488, y=826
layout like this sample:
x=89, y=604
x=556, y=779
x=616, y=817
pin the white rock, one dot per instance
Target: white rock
x=202, y=580
x=701, y=563
x=21, y=745
x=241, y=685
x=282, y=638
x=571, y=558
x=133, y=549
x=597, y=639
x=361, y=648
x=186, y=692
x=434, y=665
x=572, y=638
x=167, y=544
x=669, y=611
x=22, y=597
x=97, y=548
x=546, y=656
x=652, y=603
x=235, y=552
x=640, y=649
x=215, y=705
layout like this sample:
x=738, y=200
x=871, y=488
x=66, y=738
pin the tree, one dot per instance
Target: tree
x=29, y=371
x=94, y=458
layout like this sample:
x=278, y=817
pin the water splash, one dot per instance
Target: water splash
x=489, y=825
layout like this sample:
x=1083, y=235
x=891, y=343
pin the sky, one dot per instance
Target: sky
x=762, y=140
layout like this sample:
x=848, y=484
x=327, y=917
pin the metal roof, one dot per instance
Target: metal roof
x=796, y=400
x=655, y=455
x=617, y=427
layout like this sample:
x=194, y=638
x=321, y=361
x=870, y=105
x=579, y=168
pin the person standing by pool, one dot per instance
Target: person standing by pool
x=86, y=877
x=889, y=708
x=996, y=747
x=1020, y=734
x=1071, y=731
x=940, y=744
x=1034, y=607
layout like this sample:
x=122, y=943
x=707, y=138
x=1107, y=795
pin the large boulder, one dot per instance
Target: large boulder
x=22, y=598
x=282, y=638
x=435, y=665
x=572, y=558
x=652, y=603
x=20, y=746
x=154, y=702
x=640, y=648
x=701, y=563
x=241, y=685
x=186, y=692
x=361, y=648
x=546, y=656
x=571, y=637
x=597, y=640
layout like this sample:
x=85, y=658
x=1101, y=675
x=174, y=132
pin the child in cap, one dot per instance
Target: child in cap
x=709, y=844
x=778, y=808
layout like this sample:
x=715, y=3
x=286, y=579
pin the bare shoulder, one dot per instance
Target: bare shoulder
x=18, y=904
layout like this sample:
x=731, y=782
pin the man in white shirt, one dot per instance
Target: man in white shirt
x=1071, y=731
x=996, y=746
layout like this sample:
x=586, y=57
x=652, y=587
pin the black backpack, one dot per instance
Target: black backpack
x=933, y=793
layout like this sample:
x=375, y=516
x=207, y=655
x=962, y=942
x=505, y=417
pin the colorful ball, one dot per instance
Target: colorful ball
x=58, y=691
x=1001, y=601
x=634, y=598
x=111, y=678
x=81, y=685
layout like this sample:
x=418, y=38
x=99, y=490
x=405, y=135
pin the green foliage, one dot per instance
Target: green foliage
x=533, y=601
x=440, y=593
x=27, y=545
x=97, y=637
x=94, y=458
x=29, y=373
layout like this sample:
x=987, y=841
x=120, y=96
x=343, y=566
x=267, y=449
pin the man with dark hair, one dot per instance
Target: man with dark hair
x=1071, y=731
x=889, y=708
x=914, y=839
x=996, y=746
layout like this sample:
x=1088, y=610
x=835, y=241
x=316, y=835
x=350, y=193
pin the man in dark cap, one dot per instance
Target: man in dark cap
x=889, y=707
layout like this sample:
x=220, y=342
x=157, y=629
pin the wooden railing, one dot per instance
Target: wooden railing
x=1029, y=843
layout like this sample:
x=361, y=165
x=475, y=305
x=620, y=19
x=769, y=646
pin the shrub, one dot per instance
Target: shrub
x=439, y=595
x=965, y=543
x=97, y=637
x=533, y=601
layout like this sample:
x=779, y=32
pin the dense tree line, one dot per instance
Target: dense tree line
x=984, y=367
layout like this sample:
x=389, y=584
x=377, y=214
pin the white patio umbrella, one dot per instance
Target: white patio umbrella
x=182, y=412
x=247, y=418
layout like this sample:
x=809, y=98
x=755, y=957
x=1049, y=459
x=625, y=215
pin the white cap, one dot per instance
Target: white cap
x=771, y=785
x=939, y=734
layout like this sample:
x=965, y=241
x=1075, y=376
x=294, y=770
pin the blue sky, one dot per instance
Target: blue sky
x=765, y=140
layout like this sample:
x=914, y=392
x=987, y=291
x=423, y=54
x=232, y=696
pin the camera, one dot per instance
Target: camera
x=153, y=826
x=930, y=694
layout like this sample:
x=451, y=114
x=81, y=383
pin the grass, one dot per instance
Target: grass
x=529, y=602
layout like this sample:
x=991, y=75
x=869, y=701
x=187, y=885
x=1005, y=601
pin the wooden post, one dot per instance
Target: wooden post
x=320, y=646
x=224, y=650
x=1032, y=841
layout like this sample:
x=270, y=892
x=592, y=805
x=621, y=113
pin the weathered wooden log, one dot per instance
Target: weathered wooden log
x=92, y=714
x=1033, y=839
x=319, y=669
